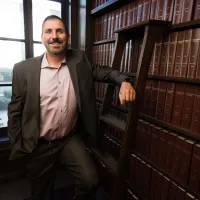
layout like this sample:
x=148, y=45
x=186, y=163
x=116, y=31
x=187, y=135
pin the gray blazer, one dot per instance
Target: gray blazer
x=24, y=108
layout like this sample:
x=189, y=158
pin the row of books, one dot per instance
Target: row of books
x=171, y=152
x=152, y=184
x=176, y=11
x=175, y=103
x=102, y=54
x=176, y=55
x=96, y=3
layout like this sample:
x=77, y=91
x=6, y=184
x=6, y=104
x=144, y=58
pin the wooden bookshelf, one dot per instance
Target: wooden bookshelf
x=141, y=25
x=171, y=127
x=109, y=6
x=187, y=188
x=103, y=42
x=185, y=25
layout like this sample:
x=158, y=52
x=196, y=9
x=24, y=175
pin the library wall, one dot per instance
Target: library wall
x=165, y=163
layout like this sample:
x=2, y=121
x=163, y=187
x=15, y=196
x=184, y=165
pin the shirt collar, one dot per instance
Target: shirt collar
x=45, y=63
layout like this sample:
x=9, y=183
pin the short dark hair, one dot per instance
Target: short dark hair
x=55, y=17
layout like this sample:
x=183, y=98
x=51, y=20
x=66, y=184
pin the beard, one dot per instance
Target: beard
x=56, y=46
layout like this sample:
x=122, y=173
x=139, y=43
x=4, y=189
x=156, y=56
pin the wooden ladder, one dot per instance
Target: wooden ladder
x=151, y=31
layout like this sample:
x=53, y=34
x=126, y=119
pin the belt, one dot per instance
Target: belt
x=42, y=140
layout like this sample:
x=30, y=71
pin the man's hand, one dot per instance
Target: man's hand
x=126, y=93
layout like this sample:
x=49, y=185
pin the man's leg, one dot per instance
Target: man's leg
x=75, y=158
x=41, y=171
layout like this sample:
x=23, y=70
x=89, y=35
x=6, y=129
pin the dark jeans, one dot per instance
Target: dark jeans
x=73, y=155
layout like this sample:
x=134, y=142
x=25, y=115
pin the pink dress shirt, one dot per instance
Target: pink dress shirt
x=58, y=105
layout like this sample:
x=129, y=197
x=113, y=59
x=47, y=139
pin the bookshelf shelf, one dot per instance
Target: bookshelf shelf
x=169, y=78
x=142, y=25
x=106, y=160
x=185, y=25
x=135, y=191
x=114, y=138
x=112, y=121
x=187, y=188
x=109, y=6
x=171, y=127
x=103, y=42
x=168, y=126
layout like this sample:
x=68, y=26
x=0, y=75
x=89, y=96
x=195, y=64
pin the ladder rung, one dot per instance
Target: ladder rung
x=106, y=159
x=141, y=25
x=113, y=121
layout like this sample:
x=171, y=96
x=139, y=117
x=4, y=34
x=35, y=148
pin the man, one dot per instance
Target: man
x=53, y=107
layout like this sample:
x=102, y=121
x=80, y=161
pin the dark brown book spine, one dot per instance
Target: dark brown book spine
x=158, y=186
x=160, y=9
x=130, y=14
x=164, y=56
x=168, y=10
x=147, y=180
x=135, y=12
x=195, y=126
x=172, y=191
x=186, y=50
x=147, y=97
x=180, y=194
x=186, y=152
x=150, y=72
x=178, y=104
x=179, y=54
x=177, y=11
x=171, y=54
x=125, y=20
x=193, y=53
x=155, y=144
x=165, y=188
x=149, y=136
x=169, y=102
x=197, y=10
x=132, y=169
x=194, y=179
x=170, y=151
x=156, y=63
x=154, y=95
x=139, y=11
x=161, y=100
x=177, y=156
x=188, y=106
x=162, y=148
x=153, y=9
x=152, y=185
x=146, y=10
x=187, y=10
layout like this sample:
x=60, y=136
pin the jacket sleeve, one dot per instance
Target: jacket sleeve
x=15, y=111
x=106, y=74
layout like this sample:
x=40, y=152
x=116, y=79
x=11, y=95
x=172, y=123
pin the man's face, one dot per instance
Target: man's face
x=54, y=36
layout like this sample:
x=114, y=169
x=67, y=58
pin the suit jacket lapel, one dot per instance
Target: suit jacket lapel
x=35, y=87
x=72, y=66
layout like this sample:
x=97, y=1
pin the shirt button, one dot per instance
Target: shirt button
x=59, y=82
x=61, y=110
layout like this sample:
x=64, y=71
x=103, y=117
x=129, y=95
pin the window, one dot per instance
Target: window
x=41, y=9
x=13, y=40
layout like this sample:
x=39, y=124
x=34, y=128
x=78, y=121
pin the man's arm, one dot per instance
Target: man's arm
x=15, y=111
x=106, y=74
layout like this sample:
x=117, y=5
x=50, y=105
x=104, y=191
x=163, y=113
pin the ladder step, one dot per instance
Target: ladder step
x=106, y=160
x=113, y=121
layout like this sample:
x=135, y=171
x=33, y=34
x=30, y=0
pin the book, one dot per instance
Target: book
x=187, y=7
x=177, y=11
x=197, y=9
x=165, y=188
x=188, y=106
x=195, y=126
x=178, y=104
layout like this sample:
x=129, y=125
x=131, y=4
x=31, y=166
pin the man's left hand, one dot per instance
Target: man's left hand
x=126, y=93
